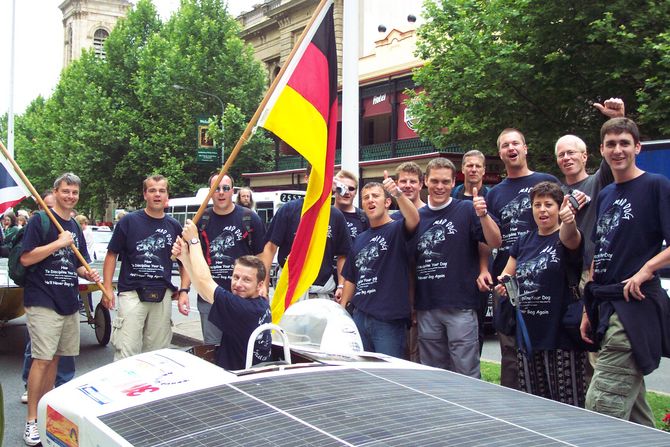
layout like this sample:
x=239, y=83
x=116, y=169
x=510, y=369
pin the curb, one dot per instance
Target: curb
x=184, y=340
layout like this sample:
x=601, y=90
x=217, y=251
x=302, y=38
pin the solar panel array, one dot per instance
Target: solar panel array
x=371, y=407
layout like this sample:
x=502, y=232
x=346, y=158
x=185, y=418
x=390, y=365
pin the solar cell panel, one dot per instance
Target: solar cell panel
x=369, y=407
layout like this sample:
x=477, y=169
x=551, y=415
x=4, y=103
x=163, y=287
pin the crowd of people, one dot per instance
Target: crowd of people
x=416, y=280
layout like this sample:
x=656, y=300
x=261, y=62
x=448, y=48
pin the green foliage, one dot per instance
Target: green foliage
x=538, y=66
x=116, y=120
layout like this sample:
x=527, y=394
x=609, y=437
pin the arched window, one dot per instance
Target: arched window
x=98, y=42
x=69, y=43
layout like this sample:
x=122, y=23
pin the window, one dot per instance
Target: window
x=69, y=43
x=99, y=42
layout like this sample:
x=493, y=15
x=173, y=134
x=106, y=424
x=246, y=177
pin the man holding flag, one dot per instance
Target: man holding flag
x=51, y=295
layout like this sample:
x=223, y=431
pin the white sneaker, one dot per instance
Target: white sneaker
x=31, y=436
x=24, y=397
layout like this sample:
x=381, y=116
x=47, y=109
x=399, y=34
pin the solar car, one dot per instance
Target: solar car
x=310, y=395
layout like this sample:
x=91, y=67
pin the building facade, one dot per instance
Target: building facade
x=87, y=24
x=386, y=131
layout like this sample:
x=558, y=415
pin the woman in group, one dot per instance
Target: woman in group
x=22, y=220
x=541, y=260
x=83, y=222
x=9, y=225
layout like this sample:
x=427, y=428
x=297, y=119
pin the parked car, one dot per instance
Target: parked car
x=101, y=238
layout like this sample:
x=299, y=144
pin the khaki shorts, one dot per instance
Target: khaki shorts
x=51, y=333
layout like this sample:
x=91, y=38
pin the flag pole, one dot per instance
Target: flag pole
x=254, y=119
x=46, y=209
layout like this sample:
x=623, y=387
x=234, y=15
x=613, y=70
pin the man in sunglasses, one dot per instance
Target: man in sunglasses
x=346, y=185
x=227, y=231
x=280, y=236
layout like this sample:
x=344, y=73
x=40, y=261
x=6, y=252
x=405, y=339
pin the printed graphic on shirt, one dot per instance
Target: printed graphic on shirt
x=433, y=237
x=512, y=217
x=528, y=274
x=224, y=242
x=366, y=263
x=62, y=257
x=607, y=227
x=353, y=231
x=60, y=269
x=147, y=263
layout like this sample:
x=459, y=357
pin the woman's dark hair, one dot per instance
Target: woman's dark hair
x=550, y=189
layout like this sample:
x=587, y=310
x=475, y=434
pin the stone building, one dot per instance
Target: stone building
x=386, y=61
x=87, y=23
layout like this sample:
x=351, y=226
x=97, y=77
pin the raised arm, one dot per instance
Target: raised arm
x=194, y=262
x=489, y=227
x=407, y=208
x=569, y=234
x=267, y=255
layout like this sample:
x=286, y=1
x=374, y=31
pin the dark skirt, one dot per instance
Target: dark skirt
x=557, y=375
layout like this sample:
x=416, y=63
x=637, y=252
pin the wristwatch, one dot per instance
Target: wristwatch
x=185, y=289
x=195, y=241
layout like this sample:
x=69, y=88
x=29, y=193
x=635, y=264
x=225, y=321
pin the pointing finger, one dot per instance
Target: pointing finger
x=386, y=174
x=474, y=192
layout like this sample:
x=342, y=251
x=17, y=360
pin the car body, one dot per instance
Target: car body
x=101, y=238
x=308, y=396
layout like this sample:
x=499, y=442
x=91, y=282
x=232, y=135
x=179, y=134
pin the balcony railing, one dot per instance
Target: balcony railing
x=381, y=151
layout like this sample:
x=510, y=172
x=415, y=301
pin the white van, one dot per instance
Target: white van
x=266, y=203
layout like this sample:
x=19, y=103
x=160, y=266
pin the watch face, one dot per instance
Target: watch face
x=194, y=241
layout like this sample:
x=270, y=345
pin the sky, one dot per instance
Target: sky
x=38, y=57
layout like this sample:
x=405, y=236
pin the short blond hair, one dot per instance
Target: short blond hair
x=343, y=173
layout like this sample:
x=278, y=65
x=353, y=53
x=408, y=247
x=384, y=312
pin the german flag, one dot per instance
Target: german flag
x=302, y=111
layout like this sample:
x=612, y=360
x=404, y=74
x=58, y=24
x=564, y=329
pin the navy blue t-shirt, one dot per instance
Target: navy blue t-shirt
x=226, y=238
x=633, y=219
x=542, y=262
x=509, y=203
x=284, y=225
x=378, y=265
x=53, y=282
x=357, y=222
x=237, y=318
x=447, y=257
x=144, y=246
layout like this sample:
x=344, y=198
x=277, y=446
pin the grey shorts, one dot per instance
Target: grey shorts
x=51, y=333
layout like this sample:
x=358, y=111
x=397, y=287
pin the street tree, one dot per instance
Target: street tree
x=538, y=66
x=117, y=119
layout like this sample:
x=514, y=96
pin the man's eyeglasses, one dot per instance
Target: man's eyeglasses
x=567, y=154
x=224, y=188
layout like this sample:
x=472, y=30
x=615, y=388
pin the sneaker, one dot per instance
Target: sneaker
x=31, y=436
x=24, y=397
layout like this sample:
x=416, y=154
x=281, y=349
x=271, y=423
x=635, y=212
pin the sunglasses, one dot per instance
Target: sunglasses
x=224, y=188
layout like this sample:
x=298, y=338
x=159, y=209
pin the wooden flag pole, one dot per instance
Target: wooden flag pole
x=254, y=119
x=46, y=209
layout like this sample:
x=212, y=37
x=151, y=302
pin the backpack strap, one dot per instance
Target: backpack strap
x=202, y=225
x=361, y=215
x=46, y=223
x=248, y=229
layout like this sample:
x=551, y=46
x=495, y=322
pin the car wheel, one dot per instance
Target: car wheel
x=103, y=324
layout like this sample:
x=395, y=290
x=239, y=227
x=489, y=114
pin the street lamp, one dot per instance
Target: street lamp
x=181, y=87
